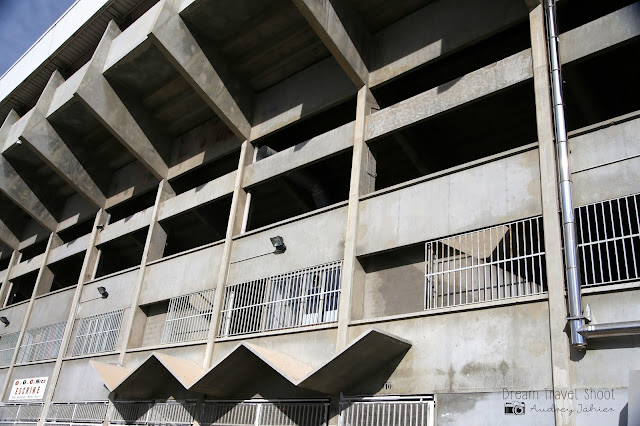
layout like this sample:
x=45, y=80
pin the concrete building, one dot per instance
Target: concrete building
x=322, y=212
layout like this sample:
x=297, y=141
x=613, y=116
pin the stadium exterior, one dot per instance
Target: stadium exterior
x=323, y=212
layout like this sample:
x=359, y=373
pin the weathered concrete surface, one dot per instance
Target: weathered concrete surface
x=51, y=309
x=174, y=39
x=68, y=249
x=198, y=196
x=29, y=371
x=79, y=382
x=604, y=32
x=437, y=29
x=500, y=75
x=101, y=100
x=41, y=137
x=359, y=360
x=307, y=152
x=27, y=266
x=328, y=246
x=313, y=89
x=605, y=162
x=7, y=237
x=12, y=185
x=120, y=288
x=180, y=275
x=15, y=314
x=482, y=350
x=327, y=24
x=125, y=226
x=634, y=397
x=398, y=218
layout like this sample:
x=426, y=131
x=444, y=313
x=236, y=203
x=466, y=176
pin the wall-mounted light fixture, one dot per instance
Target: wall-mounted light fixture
x=278, y=244
x=103, y=292
x=100, y=227
x=4, y=320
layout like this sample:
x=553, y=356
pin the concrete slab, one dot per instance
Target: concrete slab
x=245, y=364
x=358, y=360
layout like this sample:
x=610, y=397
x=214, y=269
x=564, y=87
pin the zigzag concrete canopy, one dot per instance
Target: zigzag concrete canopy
x=247, y=362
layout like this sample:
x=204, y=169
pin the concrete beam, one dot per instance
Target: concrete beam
x=490, y=79
x=327, y=24
x=97, y=95
x=12, y=185
x=7, y=237
x=42, y=138
x=171, y=35
x=604, y=32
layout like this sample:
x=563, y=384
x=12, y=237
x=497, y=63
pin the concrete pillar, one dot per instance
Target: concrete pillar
x=560, y=348
x=153, y=250
x=86, y=271
x=6, y=285
x=362, y=181
x=43, y=280
x=238, y=203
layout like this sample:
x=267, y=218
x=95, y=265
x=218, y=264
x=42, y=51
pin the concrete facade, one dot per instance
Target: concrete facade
x=405, y=154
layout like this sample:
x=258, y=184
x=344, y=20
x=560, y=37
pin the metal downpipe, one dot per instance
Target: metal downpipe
x=629, y=328
x=576, y=319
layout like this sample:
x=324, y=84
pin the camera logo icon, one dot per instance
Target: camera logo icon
x=515, y=407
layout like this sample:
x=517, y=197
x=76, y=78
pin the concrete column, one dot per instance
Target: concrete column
x=238, y=203
x=153, y=250
x=362, y=181
x=560, y=348
x=43, y=278
x=6, y=285
x=88, y=265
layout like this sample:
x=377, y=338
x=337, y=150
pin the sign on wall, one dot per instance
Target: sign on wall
x=26, y=389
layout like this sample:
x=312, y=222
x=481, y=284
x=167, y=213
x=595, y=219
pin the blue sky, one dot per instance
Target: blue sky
x=22, y=22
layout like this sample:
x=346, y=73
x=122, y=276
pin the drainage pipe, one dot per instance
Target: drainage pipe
x=628, y=328
x=576, y=319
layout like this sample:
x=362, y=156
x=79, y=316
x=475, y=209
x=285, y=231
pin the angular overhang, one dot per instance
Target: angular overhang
x=245, y=363
x=368, y=353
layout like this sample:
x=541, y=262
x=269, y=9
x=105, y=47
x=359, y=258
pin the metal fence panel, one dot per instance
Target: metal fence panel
x=41, y=343
x=85, y=412
x=299, y=298
x=189, y=317
x=154, y=413
x=267, y=413
x=97, y=333
x=386, y=413
x=494, y=263
x=609, y=240
x=8, y=344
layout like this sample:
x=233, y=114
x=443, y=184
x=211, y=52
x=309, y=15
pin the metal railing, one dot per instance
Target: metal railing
x=82, y=412
x=299, y=298
x=397, y=412
x=609, y=240
x=8, y=344
x=97, y=333
x=19, y=413
x=41, y=343
x=494, y=263
x=153, y=413
x=256, y=413
x=188, y=317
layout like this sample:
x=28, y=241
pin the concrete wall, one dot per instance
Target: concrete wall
x=52, y=308
x=80, y=382
x=605, y=163
x=485, y=195
x=194, y=271
x=28, y=371
x=310, y=241
x=120, y=288
x=15, y=314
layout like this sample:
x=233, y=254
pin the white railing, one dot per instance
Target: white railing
x=609, y=240
x=188, y=317
x=396, y=412
x=153, y=413
x=82, y=412
x=97, y=333
x=8, y=343
x=495, y=263
x=20, y=413
x=280, y=413
x=41, y=343
x=299, y=298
